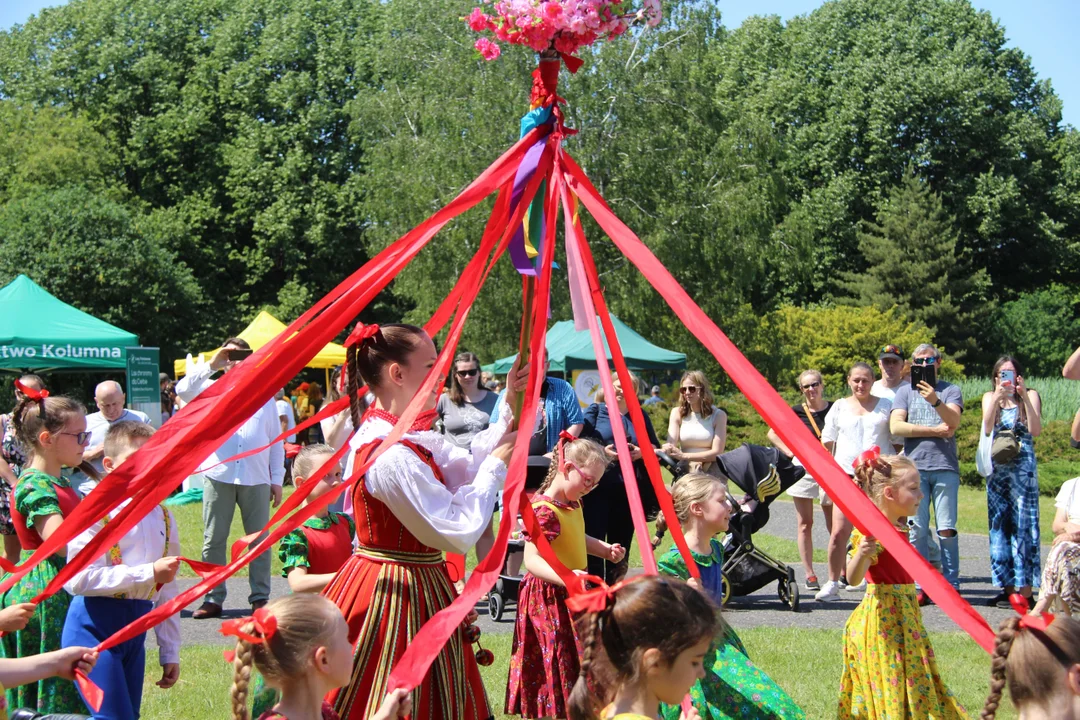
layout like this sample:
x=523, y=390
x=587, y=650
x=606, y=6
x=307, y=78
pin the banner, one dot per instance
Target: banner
x=143, y=385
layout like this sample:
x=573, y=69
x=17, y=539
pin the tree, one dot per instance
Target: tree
x=913, y=262
x=1040, y=328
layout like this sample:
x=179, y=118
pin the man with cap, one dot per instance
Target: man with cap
x=891, y=363
x=654, y=396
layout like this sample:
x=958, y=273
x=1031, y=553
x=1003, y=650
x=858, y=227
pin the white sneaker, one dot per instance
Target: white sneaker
x=857, y=588
x=829, y=591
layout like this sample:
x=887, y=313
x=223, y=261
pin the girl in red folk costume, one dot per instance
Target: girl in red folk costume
x=420, y=498
x=544, y=665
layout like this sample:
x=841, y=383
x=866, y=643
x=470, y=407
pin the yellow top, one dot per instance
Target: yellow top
x=569, y=544
x=3, y=703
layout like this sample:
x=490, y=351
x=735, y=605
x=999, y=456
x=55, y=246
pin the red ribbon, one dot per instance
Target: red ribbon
x=265, y=624
x=90, y=690
x=1032, y=622
x=870, y=457
x=573, y=64
x=596, y=599
x=361, y=333
x=564, y=437
x=36, y=395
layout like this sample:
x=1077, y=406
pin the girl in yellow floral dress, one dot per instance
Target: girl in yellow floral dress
x=889, y=666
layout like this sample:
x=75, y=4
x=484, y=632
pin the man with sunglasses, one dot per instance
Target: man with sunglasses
x=891, y=363
x=927, y=419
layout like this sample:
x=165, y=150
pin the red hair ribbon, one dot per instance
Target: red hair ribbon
x=361, y=333
x=870, y=456
x=564, y=437
x=265, y=624
x=1031, y=622
x=597, y=599
x=36, y=395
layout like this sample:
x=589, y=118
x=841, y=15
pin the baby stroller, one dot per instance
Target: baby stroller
x=762, y=473
x=506, y=587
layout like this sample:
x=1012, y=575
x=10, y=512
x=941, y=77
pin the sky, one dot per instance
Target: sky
x=1039, y=27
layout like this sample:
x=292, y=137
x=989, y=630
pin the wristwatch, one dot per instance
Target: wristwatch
x=937, y=404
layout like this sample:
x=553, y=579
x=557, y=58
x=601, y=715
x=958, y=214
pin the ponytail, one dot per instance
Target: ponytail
x=582, y=705
x=1002, y=645
x=243, y=659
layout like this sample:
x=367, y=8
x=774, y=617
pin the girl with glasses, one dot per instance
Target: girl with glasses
x=697, y=431
x=812, y=411
x=53, y=430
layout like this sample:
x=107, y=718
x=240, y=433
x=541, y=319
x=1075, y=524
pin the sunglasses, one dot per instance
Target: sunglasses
x=924, y=361
x=811, y=386
x=467, y=373
x=689, y=389
x=80, y=437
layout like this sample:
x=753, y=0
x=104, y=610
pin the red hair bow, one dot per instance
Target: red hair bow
x=265, y=624
x=36, y=395
x=870, y=456
x=361, y=333
x=564, y=437
x=1031, y=622
x=595, y=600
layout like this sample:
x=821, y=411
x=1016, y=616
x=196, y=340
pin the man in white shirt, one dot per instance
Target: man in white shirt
x=891, y=363
x=110, y=400
x=250, y=482
x=285, y=414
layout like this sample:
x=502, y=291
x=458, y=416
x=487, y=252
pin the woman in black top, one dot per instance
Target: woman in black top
x=812, y=411
x=606, y=508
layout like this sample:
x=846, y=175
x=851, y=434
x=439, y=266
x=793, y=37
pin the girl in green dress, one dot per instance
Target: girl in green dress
x=53, y=429
x=631, y=661
x=733, y=687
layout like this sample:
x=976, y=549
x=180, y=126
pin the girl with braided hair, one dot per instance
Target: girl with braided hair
x=53, y=431
x=632, y=662
x=889, y=666
x=1039, y=658
x=544, y=660
x=299, y=644
x=733, y=687
x=422, y=497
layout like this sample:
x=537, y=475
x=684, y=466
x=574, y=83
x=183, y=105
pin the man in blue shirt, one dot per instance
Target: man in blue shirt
x=562, y=411
x=654, y=396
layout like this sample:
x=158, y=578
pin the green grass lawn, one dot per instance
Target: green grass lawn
x=784, y=653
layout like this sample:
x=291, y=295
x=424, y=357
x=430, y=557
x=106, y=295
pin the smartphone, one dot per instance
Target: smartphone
x=1008, y=376
x=923, y=373
x=237, y=354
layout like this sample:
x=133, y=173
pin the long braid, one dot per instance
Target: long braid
x=1002, y=645
x=356, y=407
x=553, y=470
x=242, y=662
x=581, y=704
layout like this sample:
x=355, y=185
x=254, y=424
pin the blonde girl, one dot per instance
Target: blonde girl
x=646, y=646
x=732, y=686
x=544, y=663
x=889, y=666
x=1041, y=664
x=300, y=644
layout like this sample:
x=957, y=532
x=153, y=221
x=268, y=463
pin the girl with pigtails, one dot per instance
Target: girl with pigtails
x=544, y=661
x=889, y=666
x=421, y=498
x=299, y=644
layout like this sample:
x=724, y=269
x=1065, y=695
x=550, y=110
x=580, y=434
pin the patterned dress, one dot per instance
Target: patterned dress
x=545, y=659
x=38, y=495
x=733, y=687
x=1012, y=503
x=889, y=666
x=12, y=452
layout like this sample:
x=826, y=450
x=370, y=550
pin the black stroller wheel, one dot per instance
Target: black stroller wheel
x=496, y=605
x=725, y=585
x=788, y=590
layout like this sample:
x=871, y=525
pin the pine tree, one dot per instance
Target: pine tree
x=914, y=262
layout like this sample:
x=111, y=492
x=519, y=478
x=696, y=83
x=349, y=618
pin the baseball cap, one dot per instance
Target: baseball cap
x=162, y=377
x=891, y=351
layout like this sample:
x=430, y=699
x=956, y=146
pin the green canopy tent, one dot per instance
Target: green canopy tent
x=570, y=350
x=40, y=332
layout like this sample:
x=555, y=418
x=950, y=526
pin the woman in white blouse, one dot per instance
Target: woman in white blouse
x=853, y=425
x=697, y=431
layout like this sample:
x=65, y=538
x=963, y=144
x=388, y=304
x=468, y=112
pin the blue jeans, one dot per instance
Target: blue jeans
x=940, y=487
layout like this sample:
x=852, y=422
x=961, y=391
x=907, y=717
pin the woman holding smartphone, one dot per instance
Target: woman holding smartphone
x=1012, y=490
x=606, y=508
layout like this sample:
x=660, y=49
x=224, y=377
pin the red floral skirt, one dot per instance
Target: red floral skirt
x=545, y=661
x=386, y=598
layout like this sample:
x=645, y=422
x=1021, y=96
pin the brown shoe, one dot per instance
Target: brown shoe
x=206, y=611
x=257, y=604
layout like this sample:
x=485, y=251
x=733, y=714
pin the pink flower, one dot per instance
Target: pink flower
x=553, y=10
x=477, y=20
x=488, y=49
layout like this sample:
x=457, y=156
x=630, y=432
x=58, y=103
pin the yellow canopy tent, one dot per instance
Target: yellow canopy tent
x=264, y=328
